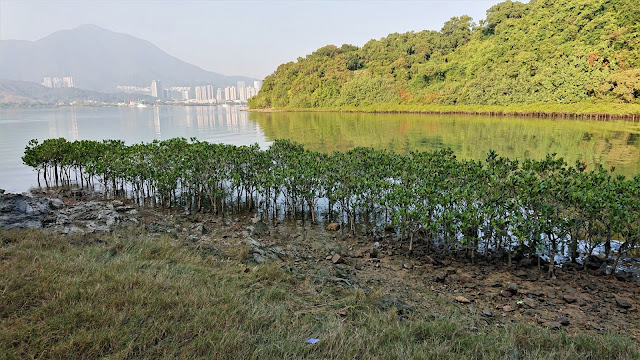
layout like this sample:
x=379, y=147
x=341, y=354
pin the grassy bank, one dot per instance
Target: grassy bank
x=140, y=297
x=586, y=110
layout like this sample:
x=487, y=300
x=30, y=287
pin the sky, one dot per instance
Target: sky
x=249, y=38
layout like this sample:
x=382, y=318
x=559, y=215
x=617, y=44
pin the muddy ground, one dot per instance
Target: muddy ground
x=420, y=282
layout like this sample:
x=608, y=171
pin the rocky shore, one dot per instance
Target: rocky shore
x=419, y=282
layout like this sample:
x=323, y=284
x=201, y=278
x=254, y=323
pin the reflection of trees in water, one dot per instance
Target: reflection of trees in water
x=471, y=137
x=618, y=149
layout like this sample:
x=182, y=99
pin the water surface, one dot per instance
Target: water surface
x=471, y=137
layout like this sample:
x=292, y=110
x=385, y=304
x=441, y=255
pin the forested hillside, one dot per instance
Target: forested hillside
x=545, y=51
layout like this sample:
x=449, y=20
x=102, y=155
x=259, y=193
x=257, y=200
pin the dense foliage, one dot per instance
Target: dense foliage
x=496, y=206
x=545, y=51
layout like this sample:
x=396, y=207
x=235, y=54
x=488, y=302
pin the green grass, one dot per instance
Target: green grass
x=144, y=297
x=582, y=109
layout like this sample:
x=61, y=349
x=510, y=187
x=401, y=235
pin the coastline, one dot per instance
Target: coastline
x=270, y=269
x=584, y=111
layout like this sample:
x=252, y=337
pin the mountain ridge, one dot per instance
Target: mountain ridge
x=101, y=59
x=15, y=92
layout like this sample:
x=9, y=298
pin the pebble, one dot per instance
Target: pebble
x=563, y=320
x=530, y=302
x=623, y=303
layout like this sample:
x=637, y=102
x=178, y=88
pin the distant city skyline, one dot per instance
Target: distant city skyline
x=256, y=36
x=203, y=94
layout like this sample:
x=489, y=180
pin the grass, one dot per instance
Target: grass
x=141, y=297
x=594, y=110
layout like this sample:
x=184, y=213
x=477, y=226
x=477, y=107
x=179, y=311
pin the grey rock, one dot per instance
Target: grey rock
x=555, y=325
x=199, y=229
x=387, y=302
x=512, y=288
x=530, y=302
x=258, y=258
x=56, y=204
x=623, y=303
x=441, y=276
x=259, y=229
x=563, y=320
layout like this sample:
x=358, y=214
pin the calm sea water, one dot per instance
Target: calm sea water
x=133, y=125
x=471, y=137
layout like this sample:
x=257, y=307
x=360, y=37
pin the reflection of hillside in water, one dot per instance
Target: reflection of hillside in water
x=621, y=149
x=471, y=137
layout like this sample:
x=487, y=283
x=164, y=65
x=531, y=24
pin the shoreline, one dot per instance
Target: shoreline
x=628, y=112
x=420, y=282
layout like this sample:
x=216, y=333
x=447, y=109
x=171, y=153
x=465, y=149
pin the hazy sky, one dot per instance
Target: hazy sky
x=248, y=38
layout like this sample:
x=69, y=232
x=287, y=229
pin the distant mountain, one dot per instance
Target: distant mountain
x=100, y=60
x=14, y=92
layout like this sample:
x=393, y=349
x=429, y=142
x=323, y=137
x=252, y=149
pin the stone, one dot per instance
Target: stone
x=623, y=303
x=386, y=302
x=506, y=293
x=563, y=320
x=451, y=270
x=428, y=260
x=555, y=325
x=259, y=229
x=487, y=313
x=623, y=276
x=512, y=288
x=569, y=299
x=56, y=204
x=337, y=259
x=532, y=277
x=507, y=308
x=530, y=302
x=407, y=266
x=258, y=258
x=593, y=262
x=199, y=229
x=441, y=277
x=462, y=299
x=333, y=227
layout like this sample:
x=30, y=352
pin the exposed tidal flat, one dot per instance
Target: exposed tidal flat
x=140, y=283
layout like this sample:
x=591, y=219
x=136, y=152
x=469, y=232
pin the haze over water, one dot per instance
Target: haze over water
x=470, y=137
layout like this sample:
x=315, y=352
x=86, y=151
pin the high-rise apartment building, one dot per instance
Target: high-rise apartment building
x=67, y=82
x=156, y=89
x=210, y=95
x=233, y=93
x=201, y=93
x=257, y=84
x=56, y=82
x=219, y=95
